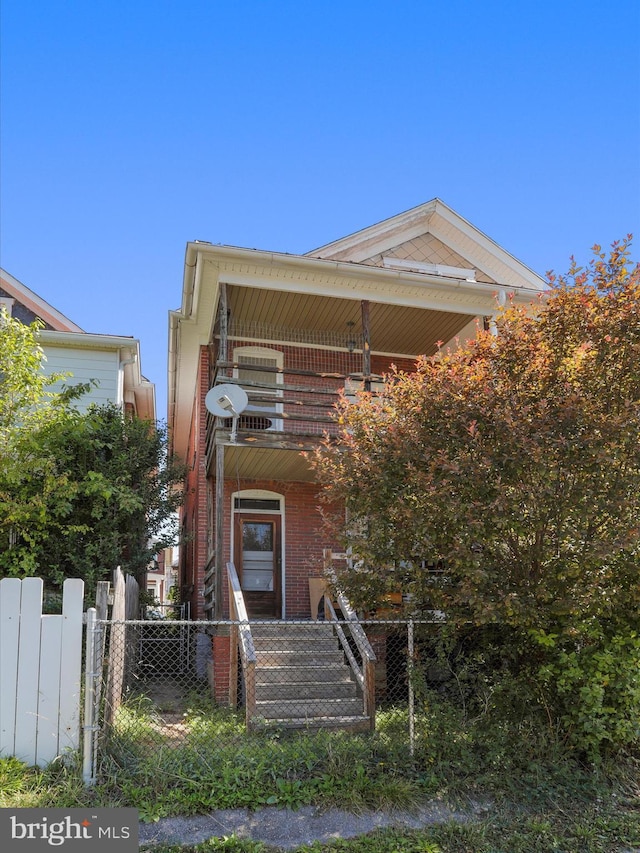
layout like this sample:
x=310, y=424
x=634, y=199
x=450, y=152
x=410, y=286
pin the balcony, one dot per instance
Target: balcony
x=288, y=410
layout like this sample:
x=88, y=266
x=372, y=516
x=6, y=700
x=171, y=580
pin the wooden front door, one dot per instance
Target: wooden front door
x=258, y=561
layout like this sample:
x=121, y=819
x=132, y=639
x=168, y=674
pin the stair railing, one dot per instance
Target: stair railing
x=241, y=639
x=365, y=676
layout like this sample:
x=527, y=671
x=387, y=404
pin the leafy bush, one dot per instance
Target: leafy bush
x=597, y=690
x=513, y=464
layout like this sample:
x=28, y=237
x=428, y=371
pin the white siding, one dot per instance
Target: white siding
x=85, y=365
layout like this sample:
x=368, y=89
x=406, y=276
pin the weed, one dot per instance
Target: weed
x=543, y=798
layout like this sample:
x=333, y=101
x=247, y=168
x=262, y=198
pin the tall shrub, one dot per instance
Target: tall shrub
x=514, y=463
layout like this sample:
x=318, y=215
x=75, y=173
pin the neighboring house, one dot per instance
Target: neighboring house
x=293, y=331
x=162, y=577
x=110, y=362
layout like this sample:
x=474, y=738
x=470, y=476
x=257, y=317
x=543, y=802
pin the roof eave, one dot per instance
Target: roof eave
x=21, y=293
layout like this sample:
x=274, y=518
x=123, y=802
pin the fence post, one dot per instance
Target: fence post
x=117, y=647
x=250, y=690
x=90, y=723
x=410, y=656
x=102, y=600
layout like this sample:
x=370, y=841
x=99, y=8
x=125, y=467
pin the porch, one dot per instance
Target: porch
x=292, y=379
x=288, y=410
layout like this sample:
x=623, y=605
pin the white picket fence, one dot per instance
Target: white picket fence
x=40, y=671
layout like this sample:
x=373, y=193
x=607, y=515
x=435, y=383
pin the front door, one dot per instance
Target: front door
x=258, y=561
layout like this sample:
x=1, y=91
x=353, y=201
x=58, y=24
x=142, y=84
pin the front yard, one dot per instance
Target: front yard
x=539, y=796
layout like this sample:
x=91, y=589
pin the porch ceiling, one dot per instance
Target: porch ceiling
x=256, y=463
x=395, y=329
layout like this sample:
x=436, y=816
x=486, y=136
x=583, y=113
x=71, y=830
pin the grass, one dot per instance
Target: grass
x=597, y=830
x=540, y=796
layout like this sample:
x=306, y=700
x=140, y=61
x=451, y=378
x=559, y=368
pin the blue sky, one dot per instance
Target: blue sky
x=129, y=128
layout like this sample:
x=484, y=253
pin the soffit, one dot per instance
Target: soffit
x=396, y=329
x=309, y=276
x=253, y=463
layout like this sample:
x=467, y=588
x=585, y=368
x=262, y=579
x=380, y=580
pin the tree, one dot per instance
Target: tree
x=27, y=405
x=122, y=495
x=80, y=494
x=516, y=463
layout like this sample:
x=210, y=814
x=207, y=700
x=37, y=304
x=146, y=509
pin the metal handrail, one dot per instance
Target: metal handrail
x=241, y=638
x=345, y=645
x=366, y=677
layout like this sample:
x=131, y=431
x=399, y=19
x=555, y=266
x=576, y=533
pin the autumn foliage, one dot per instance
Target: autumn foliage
x=515, y=462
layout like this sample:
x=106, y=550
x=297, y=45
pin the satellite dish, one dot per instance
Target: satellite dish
x=226, y=401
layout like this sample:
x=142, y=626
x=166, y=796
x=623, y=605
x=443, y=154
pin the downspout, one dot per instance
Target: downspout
x=174, y=325
x=502, y=301
x=219, y=484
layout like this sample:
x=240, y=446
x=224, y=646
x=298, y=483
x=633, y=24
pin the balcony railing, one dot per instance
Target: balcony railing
x=296, y=407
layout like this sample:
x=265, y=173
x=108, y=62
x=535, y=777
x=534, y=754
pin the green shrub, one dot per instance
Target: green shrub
x=596, y=687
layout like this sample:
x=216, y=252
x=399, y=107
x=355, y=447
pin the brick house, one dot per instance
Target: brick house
x=292, y=332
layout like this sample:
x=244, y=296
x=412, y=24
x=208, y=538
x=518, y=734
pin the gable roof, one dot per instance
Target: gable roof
x=427, y=259
x=379, y=244
x=70, y=348
x=35, y=304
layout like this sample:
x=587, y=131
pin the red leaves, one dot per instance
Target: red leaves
x=527, y=442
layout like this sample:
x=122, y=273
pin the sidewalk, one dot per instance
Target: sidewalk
x=290, y=829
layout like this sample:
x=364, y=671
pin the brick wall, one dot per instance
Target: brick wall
x=303, y=537
x=221, y=666
x=303, y=541
x=194, y=512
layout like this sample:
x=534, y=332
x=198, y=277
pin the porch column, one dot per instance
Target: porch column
x=366, y=345
x=223, y=316
x=219, y=530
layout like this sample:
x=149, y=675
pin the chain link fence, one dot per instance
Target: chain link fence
x=208, y=692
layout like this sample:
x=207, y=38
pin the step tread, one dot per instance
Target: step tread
x=273, y=675
x=294, y=708
x=306, y=690
x=361, y=722
x=295, y=642
x=302, y=654
x=267, y=660
x=323, y=629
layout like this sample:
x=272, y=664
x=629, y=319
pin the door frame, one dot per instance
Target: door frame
x=263, y=494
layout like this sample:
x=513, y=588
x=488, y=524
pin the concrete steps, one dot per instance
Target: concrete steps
x=302, y=679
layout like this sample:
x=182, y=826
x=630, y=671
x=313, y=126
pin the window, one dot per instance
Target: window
x=261, y=386
x=257, y=503
x=6, y=302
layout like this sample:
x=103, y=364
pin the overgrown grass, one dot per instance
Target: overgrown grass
x=217, y=765
x=599, y=830
x=539, y=795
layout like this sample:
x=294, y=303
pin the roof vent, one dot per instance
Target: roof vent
x=431, y=269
